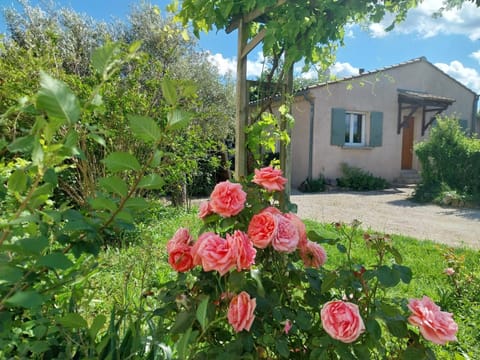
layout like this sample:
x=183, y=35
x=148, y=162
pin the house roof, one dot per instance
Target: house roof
x=406, y=63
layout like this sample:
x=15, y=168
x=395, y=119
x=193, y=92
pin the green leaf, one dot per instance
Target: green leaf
x=145, y=128
x=121, y=161
x=323, y=236
x=183, y=344
x=374, y=329
x=136, y=203
x=201, y=313
x=151, y=182
x=97, y=325
x=256, y=275
x=397, y=328
x=27, y=299
x=405, y=273
x=281, y=345
x=104, y=57
x=9, y=274
x=22, y=144
x=73, y=321
x=57, y=99
x=98, y=139
x=102, y=203
x=33, y=245
x=178, y=119
x=329, y=281
x=183, y=321
x=55, y=260
x=17, y=182
x=169, y=91
x=387, y=276
x=114, y=184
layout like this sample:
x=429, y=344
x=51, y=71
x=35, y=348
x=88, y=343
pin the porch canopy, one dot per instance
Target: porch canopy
x=414, y=100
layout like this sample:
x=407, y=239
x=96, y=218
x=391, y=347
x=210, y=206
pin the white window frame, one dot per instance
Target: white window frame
x=349, y=115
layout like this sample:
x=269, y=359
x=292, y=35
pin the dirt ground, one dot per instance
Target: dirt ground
x=391, y=212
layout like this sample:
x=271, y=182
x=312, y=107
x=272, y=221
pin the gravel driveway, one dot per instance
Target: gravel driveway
x=391, y=212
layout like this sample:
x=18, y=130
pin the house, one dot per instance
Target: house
x=373, y=120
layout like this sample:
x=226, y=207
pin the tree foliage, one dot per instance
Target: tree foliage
x=62, y=41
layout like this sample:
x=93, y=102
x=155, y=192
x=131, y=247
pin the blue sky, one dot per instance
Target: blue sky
x=451, y=42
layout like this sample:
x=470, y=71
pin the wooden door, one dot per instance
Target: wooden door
x=407, y=144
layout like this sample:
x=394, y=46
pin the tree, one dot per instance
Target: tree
x=61, y=42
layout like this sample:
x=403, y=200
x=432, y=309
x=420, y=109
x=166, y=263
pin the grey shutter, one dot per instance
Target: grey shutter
x=376, y=128
x=338, y=127
x=463, y=124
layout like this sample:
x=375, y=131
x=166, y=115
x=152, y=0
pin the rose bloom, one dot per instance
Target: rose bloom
x=242, y=246
x=286, y=237
x=180, y=258
x=302, y=231
x=204, y=209
x=449, y=271
x=435, y=325
x=313, y=255
x=270, y=178
x=214, y=253
x=240, y=312
x=227, y=199
x=287, y=327
x=181, y=237
x=262, y=228
x=342, y=321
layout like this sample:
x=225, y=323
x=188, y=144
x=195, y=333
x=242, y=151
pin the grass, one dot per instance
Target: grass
x=130, y=276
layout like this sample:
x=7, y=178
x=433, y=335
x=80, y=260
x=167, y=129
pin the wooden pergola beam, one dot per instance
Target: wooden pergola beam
x=251, y=16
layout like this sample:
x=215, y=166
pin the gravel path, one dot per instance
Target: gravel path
x=390, y=211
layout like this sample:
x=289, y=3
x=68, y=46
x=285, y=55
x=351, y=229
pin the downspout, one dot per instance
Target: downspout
x=474, y=114
x=310, y=140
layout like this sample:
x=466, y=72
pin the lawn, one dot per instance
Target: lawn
x=129, y=277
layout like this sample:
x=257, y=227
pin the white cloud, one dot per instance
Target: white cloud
x=341, y=70
x=229, y=65
x=476, y=55
x=467, y=76
x=420, y=20
x=224, y=65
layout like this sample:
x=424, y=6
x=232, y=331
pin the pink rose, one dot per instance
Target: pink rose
x=313, y=255
x=435, y=325
x=342, y=321
x=302, y=231
x=213, y=253
x=270, y=178
x=204, y=209
x=241, y=245
x=181, y=237
x=286, y=237
x=271, y=210
x=227, y=199
x=261, y=229
x=240, y=312
x=287, y=327
x=449, y=271
x=180, y=258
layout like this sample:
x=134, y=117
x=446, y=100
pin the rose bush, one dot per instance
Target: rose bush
x=255, y=284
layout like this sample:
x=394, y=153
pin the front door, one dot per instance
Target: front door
x=407, y=144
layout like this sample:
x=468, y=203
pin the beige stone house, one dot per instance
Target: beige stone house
x=373, y=120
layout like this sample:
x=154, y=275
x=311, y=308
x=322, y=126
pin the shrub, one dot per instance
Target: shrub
x=450, y=162
x=313, y=185
x=355, y=178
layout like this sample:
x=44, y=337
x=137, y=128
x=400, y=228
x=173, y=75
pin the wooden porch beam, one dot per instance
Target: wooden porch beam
x=251, y=16
x=253, y=43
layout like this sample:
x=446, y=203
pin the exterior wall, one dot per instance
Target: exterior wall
x=371, y=92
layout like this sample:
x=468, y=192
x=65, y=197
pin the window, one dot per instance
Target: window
x=354, y=129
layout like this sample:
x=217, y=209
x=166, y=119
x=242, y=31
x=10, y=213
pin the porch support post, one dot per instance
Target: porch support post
x=241, y=103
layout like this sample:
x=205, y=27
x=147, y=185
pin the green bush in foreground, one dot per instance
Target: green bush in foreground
x=450, y=163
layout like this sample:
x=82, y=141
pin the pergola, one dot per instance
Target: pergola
x=414, y=100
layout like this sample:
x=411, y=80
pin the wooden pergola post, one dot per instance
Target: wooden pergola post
x=241, y=103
